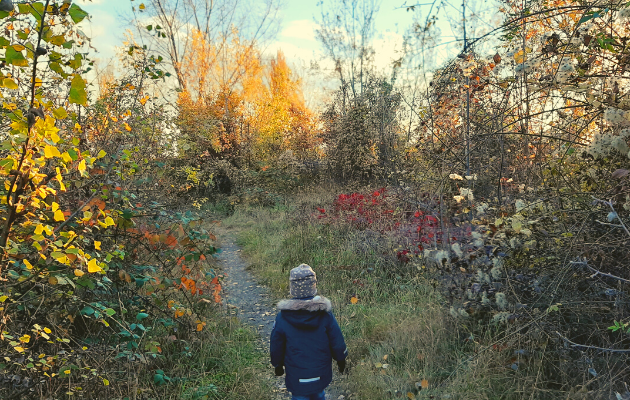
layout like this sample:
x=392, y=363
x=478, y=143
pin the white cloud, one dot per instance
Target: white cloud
x=291, y=51
x=388, y=47
x=303, y=29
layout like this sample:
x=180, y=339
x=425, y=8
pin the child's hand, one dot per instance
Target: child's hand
x=279, y=370
x=342, y=366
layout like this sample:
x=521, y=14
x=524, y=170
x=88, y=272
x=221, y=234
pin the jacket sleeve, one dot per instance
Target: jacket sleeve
x=277, y=343
x=335, y=338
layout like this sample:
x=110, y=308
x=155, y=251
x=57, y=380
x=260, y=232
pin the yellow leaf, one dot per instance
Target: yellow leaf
x=142, y=7
x=66, y=157
x=97, y=245
x=354, y=300
x=47, y=330
x=93, y=266
x=54, y=137
x=9, y=84
x=52, y=280
x=411, y=396
x=51, y=151
x=18, y=348
x=60, y=113
x=59, y=216
x=55, y=206
x=109, y=221
x=81, y=167
x=28, y=264
x=79, y=273
x=18, y=47
x=105, y=382
x=3, y=299
x=25, y=339
x=67, y=372
x=127, y=127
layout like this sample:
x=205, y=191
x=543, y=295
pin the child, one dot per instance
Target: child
x=305, y=338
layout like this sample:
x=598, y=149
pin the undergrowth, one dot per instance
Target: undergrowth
x=402, y=340
x=221, y=363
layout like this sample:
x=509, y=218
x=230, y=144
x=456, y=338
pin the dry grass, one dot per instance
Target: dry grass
x=399, y=320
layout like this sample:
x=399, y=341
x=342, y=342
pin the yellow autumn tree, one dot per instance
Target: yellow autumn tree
x=232, y=101
x=283, y=121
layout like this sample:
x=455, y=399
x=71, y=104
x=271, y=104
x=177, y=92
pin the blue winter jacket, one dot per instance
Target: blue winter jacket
x=305, y=339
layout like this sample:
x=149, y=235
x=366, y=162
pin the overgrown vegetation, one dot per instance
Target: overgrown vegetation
x=475, y=244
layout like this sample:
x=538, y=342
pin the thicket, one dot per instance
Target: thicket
x=106, y=278
x=511, y=192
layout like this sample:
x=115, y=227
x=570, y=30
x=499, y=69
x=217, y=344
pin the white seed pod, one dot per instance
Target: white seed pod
x=457, y=249
x=619, y=144
x=566, y=66
x=501, y=300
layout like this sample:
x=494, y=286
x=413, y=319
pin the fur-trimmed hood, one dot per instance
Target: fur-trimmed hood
x=317, y=303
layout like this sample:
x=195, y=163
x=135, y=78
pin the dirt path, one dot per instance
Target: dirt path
x=253, y=305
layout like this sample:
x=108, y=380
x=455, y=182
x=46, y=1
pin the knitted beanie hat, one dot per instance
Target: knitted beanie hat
x=302, y=282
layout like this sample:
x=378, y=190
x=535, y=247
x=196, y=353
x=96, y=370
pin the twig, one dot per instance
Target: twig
x=609, y=224
x=597, y=272
x=609, y=204
x=573, y=344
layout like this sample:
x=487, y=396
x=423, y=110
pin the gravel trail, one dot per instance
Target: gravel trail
x=253, y=304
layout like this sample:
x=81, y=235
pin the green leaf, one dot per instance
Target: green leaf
x=55, y=66
x=73, y=154
x=24, y=8
x=15, y=57
x=57, y=40
x=37, y=10
x=77, y=91
x=77, y=14
x=76, y=63
x=141, y=316
x=87, y=310
x=7, y=164
x=60, y=113
x=110, y=311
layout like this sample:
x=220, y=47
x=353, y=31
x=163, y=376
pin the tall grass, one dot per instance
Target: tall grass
x=222, y=362
x=400, y=333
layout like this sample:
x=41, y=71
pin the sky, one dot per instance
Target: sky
x=296, y=37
